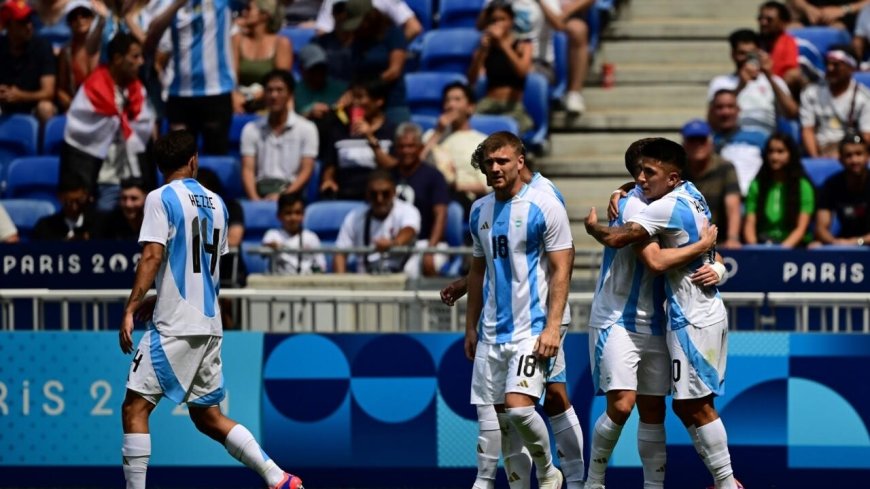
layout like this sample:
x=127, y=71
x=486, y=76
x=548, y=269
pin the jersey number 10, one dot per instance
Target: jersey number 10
x=210, y=248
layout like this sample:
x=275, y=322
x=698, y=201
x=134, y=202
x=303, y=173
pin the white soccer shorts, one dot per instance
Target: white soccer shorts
x=698, y=358
x=557, y=370
x=626, y=360
x=507, y=367
x=185, y=369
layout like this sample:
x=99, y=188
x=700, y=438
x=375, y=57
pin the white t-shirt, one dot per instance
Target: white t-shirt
x=828, y=115
x=352, y=234
x=7, y=227
x=530, y=24
x=453, y=156
x=280, y=155
x=397, y=10
x=289, y=263
x=862, y=24
x=757, y=100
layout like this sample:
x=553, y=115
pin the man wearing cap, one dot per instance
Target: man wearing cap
x=715, y=179
x=27, y=79
x=830, y=111
x=397, y=10
x=318, y=91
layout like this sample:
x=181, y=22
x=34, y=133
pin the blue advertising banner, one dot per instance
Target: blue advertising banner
x=61, y=394
x=69, y=264
x=777, y=270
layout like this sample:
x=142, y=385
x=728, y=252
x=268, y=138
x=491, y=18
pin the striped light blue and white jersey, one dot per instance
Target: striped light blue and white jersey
x=678, y=219
x=191, y=223
x=201, y=54
x=544, y=184
x=514, y=237
x=627, y=293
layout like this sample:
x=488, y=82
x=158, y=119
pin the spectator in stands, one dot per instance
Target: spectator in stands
x=27, y=80
x=452, y=141
x=425, y=187
x=50, y=14
x=506, y=61
x=398, y=12
x=200, y=96
x=781, y=199
x=384, y=224
x=846, y=196
x=829, y=111
x=761, y=95
x=862, y=34
x=568, y=16
x=715, y=179
x=378, y=47
x=840, y=14
x=114, y=16
x=75, y=62
x=358, y=141
x=106, y=135
x=301, y=13
x=125, y=220
x=317, y=92
x=731, y=141
x=257, y=50
x=291, y=236
x=535, y=24
x=773, y=18
x=8, y=231
x=337, y=45
x=278, y=150
x=75, y=221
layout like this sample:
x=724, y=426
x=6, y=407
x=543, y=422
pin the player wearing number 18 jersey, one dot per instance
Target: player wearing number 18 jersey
x=183, y=234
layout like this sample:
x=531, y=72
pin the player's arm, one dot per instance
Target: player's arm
x=475, y=304
x=152, y=255
x=614, y=236
x=659, y=259
x=615, y=196
x=454, y=291
x=710, y=273
x=560, y=279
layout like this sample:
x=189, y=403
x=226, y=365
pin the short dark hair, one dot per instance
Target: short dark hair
x=851, y=137
x=503, y=5
x=374, y=87
x=72, y=182
x=743, y=36
x=282, y=75
x=633, y=154
x=667, y=152
x=210, y=180
x=781, y=10
x=286, y=200
x=494, y=142
x=120, y=45
x=174, y=150
x=458, y=85
x=380, y=174
x=133, y=182
x=723, y=91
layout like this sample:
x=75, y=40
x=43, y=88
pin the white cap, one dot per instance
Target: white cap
x=74, y=4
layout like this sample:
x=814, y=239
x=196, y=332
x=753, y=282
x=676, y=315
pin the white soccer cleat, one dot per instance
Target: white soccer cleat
x=553, y=480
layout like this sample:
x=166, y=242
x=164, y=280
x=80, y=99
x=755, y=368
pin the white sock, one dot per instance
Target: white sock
x=533, y=431
x=696, y=442
x=604, y=438
x=517, y=461
x=240, y=443
x=653, y=456
x=488, y=444
x=569, y=444
x=135, y=451
x=714, y=441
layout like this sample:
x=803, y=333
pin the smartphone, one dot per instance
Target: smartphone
x=356, y=114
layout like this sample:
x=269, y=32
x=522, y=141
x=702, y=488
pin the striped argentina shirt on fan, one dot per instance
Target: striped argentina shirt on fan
x=514, y=237
x=628, y=294
x=678, y=219
x=191, y=223
x=201, y=54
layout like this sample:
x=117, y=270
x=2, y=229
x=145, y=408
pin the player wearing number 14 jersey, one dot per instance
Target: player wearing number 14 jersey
x=183, y=234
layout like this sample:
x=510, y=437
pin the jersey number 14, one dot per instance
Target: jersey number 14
x=196, y=241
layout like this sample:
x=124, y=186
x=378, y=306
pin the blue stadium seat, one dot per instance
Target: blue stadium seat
x=260, y=216
x=299, y=36
x=324, y=218
x=822, y=37
x=423, y=10
x=488, y=124
x=537, y=103
x=818, y=170
x=423, y=90
x=33, y=177
x=57, y=34
x=229, y=173
x=862, y=77
x=236, y=126
x=52, y=138
x=449, y=49
x=811, y=61
x=26, y=212
x=254, y=262
x=312, y=189
x=454, y=235
x=425, y=122
x=18, y=137
x=458, y=13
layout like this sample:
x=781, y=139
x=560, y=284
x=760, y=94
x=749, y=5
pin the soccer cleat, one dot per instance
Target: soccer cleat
x=289, y=481
x=553, y=480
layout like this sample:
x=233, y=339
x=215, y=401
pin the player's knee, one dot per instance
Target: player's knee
x=652, y=410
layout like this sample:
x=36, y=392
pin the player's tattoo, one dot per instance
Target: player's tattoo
x=619, y=236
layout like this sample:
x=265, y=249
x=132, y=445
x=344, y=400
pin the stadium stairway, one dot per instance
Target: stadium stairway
x=664, y=52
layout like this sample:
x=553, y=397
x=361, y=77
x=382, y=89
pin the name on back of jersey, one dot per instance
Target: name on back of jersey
x=203, y=201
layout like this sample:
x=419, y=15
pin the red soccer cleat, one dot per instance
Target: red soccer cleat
x=289, y=481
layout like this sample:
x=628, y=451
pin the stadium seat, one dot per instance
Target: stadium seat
x=862, y=77
x=33, y=177
x=299, y=36
x=449, y=49
x=26, y=212
x=454, y=235
x=425, y=122
x=423, y=10
x=18, y=137
x=458, y=13
x=324, y=218
x=792, y=127
x=236, y=126
x=423, y=90
x=818, y=170
x=312, y=188
x=52, y=138
x=811, y=61
x=489, y=124
x=254, y=262
x=537, y=103
x=229, y=173
x=260, y=216
x=822, y=37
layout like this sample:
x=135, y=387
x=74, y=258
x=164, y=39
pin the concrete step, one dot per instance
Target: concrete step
x=641, y=119
x=686, y=52
x=696, y=9
x=584, y=155
x=640, y=97
x=677, y=28
x=665, y=73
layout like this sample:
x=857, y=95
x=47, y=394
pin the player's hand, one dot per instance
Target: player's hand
x=470, y=344
x=125, y=333
x=548, y=342
x=709, y=235
x=454, y=291
x=705, y=276
x=613, y=206
x=146, y=309
x=591, y=221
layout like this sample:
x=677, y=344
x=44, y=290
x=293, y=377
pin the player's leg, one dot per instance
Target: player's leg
x=517, y=460
x=564, y=423
x=487, y=389
x=136, y=447
x=653, y=384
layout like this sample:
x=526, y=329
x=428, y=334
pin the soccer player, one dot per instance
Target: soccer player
x=517, y=293
x=697, y=319
x=183, y=234
x=630, y=362
x=557, y=405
